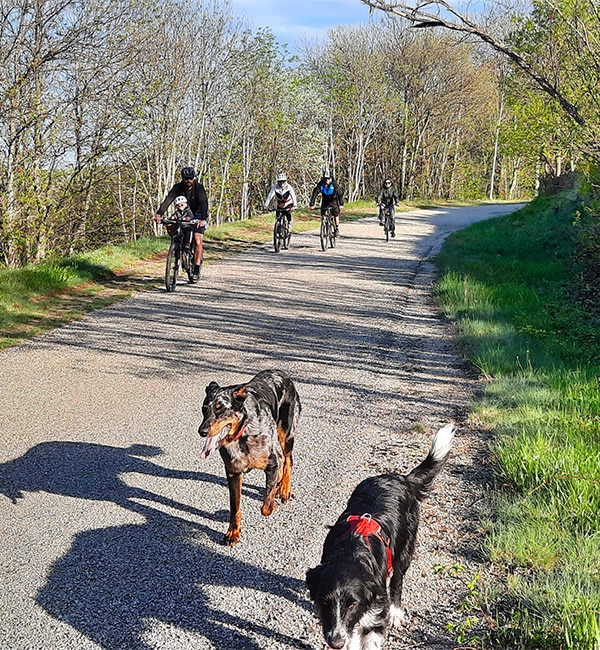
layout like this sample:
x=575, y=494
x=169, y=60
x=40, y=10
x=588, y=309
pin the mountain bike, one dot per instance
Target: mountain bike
x=282, y=232
x=181, y=252
x=328, y=227
x=389, y=227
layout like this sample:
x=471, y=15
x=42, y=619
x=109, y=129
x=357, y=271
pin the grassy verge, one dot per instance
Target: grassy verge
x=508, y=284
x=40, y=297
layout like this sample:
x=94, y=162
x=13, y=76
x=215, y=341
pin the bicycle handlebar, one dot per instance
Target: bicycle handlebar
x=192, y=222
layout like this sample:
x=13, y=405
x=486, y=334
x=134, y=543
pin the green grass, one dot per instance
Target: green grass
x=508, y=284
x=40, y=297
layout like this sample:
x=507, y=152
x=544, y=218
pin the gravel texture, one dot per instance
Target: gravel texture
x=111, y=525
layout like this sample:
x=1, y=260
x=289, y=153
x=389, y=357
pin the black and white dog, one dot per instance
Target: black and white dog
x=357, y=588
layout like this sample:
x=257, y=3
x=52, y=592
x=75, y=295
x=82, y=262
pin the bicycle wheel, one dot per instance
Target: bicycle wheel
x=324, y=233
x=187, y=257
x=277, y=236
x=172, y=267
x=187, y=263
x=386, y=227
x=332, y=237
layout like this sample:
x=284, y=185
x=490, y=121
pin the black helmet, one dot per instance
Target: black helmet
x=188, y=173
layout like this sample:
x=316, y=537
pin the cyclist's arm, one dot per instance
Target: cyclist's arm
x=202, y=211
x=294, y=198
x=313, y=197
x=269, y=198
x=162, y=208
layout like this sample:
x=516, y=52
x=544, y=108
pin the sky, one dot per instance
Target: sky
x=292, y=20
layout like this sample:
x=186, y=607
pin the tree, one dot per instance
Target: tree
x=442, y=14
x=350, y=69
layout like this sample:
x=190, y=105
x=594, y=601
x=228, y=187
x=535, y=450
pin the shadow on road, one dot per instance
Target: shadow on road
x=121, y=586
x=124, y=585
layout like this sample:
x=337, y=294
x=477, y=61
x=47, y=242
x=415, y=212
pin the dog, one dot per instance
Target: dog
x=253, y=426
x=357, y=587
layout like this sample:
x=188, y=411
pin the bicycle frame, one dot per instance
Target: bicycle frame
x=327, y=233
x=388, y=221
x=281, y=230
x=179, y=252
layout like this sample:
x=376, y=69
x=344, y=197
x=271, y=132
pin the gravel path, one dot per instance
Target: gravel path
x=111, y=525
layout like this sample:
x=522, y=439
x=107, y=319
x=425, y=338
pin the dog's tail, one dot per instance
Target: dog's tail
x=422, y=476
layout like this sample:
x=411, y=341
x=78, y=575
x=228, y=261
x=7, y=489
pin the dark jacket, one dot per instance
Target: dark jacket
x=330, y=196
x=388, y=196
x=195, y=195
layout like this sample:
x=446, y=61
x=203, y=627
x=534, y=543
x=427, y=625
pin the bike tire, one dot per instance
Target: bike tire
x=332, y=237
x=172, y=267
x=324, y=233
x=277, y=238
x=187, y=262
x=386, y=228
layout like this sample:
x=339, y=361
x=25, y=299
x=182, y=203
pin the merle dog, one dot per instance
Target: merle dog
x=357, y=588
x=253, y=426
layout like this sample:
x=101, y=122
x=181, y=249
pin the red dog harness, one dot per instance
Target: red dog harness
x=365, y=525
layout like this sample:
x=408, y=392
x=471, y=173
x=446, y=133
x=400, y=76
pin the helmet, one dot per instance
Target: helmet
x=281, y=178
x=387, y=180
x=180, y=200
x=326, y=173
x=188, y=173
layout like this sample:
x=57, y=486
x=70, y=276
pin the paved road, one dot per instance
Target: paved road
x=110, y=522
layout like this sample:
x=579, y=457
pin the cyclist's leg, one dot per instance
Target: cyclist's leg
x=198, y=252
x=381, y=214
x=198, y=249
x=336, y=213
x=393, y=219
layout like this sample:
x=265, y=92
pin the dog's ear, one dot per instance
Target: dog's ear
x=311, y=576
x=240, y=393
x=212, y=388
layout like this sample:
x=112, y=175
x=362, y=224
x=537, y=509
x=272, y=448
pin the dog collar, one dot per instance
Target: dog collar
x=239, y=433
x=365, y=525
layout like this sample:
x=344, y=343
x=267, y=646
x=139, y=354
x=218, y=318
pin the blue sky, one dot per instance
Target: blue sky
x=291, y=20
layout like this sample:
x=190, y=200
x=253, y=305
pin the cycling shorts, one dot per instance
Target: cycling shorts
x=335, y=210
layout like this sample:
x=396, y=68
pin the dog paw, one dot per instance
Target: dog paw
x=268, y=508
x=284, y=498
x=231, y=538
x=398, y=616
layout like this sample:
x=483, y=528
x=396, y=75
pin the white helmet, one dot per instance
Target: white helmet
x=281, y=178
x=180, y=200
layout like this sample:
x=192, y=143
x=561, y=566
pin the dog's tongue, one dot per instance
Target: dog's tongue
x=209, y=446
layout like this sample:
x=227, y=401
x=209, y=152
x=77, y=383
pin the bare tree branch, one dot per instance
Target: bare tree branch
x=437, y=13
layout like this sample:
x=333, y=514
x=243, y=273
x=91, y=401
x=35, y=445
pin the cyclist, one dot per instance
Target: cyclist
x=193, y=191
x=331, y=197
x=285, y=196
x=388, y=198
